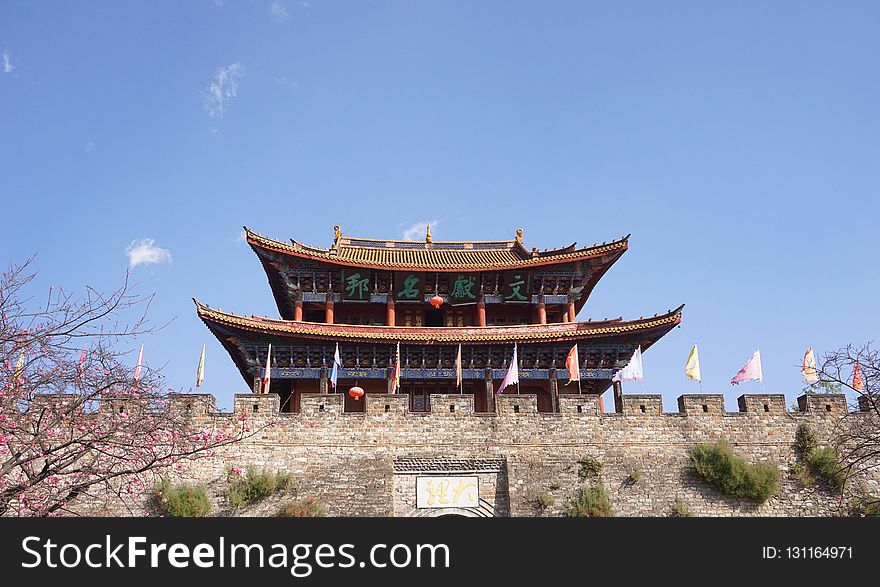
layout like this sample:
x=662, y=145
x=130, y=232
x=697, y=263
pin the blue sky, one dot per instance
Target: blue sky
x=737, y=142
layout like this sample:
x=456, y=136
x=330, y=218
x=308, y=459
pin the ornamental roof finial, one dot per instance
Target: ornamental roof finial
x=519, y=235
x=428, y=238
x=337, y=232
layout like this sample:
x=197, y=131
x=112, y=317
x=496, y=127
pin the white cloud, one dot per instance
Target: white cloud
x=89, y=146
x=145, y=252
x=279, y=10
x=417, y=231
x=284, y=81
x=8, y=65
x=240, y=237
x=222, y=89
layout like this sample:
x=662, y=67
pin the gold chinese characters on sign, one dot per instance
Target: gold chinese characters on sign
x=447, y=492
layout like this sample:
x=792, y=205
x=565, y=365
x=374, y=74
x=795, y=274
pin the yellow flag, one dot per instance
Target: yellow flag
x=19, y=368
x=809, y=369
x=200, y=373
x=692, y=368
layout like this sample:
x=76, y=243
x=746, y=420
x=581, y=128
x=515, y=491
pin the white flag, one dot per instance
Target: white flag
x=633, y=370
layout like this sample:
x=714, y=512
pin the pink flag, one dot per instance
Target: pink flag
x=139, y=366
x=751, y=371
x=82, y=362
x=512, y=372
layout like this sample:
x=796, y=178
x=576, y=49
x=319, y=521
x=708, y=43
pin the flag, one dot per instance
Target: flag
x=751, y=371
x=633, y=370
x=337, y=362
x=458, y=367
x=692, y=367
x=512, y=372
x=573, y=364
x=858, y=383
x=139, y=366
x=82, y=363
x=19, y=368
x=200, y=371
x=267, y=372
x=809, y=369
x=395, y=375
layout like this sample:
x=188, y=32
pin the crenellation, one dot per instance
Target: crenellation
x=773, y=403
x=322, y=404
x=823, y=403
x=516, y=405
x=578, y=405
x=701, y=404
x=642, y=405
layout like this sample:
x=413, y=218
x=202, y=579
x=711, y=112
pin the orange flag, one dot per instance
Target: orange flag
x=857, y=382
x=809, y=368
x=573, y=365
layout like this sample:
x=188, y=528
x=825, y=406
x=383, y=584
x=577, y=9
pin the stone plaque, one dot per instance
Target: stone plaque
x=447, y=492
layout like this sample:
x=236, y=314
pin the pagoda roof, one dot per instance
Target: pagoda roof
x=436, y=256
x=652, y=328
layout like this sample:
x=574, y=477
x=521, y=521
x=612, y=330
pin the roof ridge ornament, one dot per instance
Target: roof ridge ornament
x=519, y=233
x=428, y=238
x=337, y=232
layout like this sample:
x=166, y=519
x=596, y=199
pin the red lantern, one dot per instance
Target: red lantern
x=356, y=392
x=436, y=301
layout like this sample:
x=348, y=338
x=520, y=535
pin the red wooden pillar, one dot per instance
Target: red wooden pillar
x=565, y=316
x=389, y=314
x=298, y=310
x=618, y=397
x=571, y=312
x=328, y=310
x=542, y=312
x=481, y=312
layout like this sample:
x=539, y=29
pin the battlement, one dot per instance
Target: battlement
x=314, y=405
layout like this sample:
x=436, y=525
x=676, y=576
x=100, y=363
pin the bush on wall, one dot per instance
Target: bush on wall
x=244, y=489
x=729, y=473
x=822, y=463
x=306, y=508
x=591, y=502
x=182, y=500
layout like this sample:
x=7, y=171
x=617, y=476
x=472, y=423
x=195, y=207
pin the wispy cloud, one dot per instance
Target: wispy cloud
x=89, y=146
x=145, y=252
x=8, y=64
x=240, y=237
x=283, y=80
x=279, y=10
x=222, y=89
x=417, y=231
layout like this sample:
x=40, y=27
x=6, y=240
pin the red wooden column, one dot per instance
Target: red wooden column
x=565, y=316
x=542, y=312
x=618, y=397
x=481, y=312
x=328, y=310
x=298, y=310
x=571, y=312
x=389, y=314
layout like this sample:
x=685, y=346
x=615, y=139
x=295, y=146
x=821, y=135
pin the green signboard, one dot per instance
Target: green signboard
x=463, y=288
x=356, y=285
x=516, y=287
x=409, y=287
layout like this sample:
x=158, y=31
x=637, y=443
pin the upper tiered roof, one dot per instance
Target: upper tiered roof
x=435, y=256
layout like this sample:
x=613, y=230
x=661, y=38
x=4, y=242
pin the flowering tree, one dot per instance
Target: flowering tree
x=77, y=422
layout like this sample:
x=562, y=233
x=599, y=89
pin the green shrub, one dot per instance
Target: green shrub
x=183, y=500
x=802, y=474
x=729, y=473
x=591, y=502
x=824, y=464
x=543, y=501
x=868, y=505
x=680, y=509
x=254, y=485
x=821, y=463
x=804, y=439
x=306, y=508
x=634, y=477
x=590, y=468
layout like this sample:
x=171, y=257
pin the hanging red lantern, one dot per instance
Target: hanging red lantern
x=356, y=392
x=436, y=301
